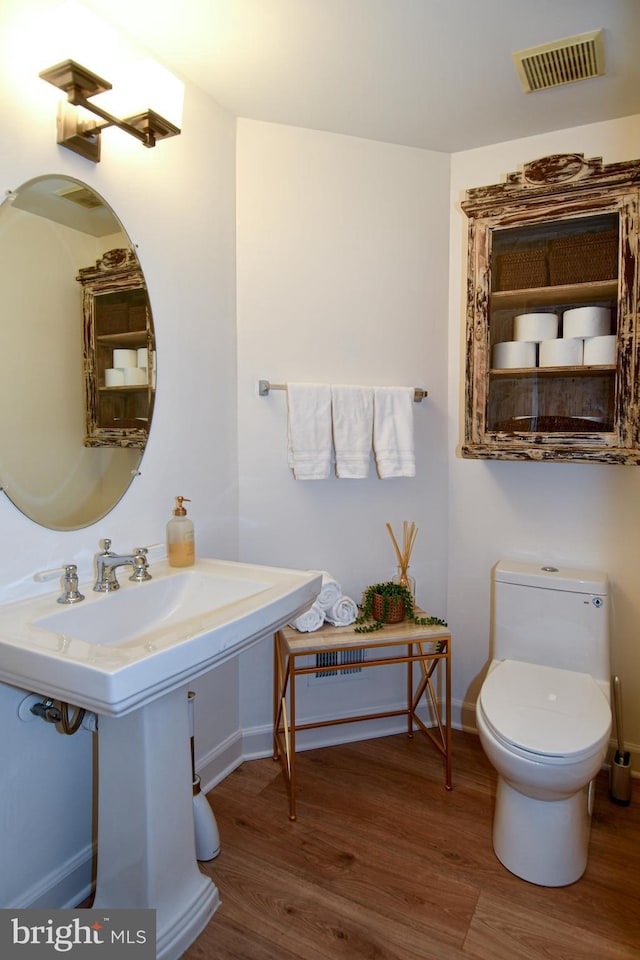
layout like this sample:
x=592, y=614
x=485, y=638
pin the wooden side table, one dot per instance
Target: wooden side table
x=408, y=643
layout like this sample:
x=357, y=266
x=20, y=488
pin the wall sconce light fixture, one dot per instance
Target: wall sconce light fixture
x=81, y=133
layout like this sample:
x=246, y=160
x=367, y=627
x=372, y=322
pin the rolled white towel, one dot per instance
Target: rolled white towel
x=330, y=591
x=312, y=619
x=342, y=613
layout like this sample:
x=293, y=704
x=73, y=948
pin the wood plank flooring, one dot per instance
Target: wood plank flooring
x=384, y=864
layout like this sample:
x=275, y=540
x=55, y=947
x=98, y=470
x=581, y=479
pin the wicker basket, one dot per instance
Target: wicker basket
x=137, y=319
x=395, y=614
x=584, y=258
x=111, y=318
x=522, y=269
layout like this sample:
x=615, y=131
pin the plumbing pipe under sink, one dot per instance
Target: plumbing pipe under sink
x=207, y=836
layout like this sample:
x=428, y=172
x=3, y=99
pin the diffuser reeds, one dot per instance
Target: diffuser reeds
x=410, y=531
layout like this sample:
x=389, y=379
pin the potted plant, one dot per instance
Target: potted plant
x=389, y=602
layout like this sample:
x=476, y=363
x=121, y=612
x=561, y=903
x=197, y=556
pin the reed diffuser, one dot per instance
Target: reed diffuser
x=403, y=577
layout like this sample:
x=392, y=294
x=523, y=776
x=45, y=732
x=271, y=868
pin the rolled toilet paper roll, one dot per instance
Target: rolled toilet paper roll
x=562, y=352
x=135, y=376
x=514, y=353
x=600, y=350
x=125, y=358
x=114, y=377
x=142, y=357
x=586, y=322
x=535, y=326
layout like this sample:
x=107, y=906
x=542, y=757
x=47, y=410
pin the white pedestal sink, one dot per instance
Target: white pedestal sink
x=129, y=656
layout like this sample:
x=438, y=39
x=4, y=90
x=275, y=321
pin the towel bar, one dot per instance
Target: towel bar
x=265, y=386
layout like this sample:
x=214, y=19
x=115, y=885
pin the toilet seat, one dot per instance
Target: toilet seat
x=552, y=714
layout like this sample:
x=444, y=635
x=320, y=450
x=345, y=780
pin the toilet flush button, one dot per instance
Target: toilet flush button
x=551, y=696
x=550, y=569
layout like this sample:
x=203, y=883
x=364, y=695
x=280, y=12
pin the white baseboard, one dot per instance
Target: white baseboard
x=66, y=887
x=255, y=743
x=221, y=761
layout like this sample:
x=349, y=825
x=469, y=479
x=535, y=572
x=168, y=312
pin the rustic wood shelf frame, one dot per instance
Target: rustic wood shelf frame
x=555, y=199
x=116, y=275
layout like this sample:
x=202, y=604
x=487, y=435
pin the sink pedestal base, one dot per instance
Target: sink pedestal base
x=146, y=841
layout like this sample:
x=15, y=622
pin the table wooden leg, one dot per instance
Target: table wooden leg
x=427, y=690
x=447, y=667
x=292, y=738
x=410, y=692
x=277, y=694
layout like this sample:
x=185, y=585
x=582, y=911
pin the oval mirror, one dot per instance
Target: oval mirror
x=77, y=358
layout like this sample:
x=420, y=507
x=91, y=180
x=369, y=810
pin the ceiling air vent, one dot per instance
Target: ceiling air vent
x=560, y=62
x=82, y=196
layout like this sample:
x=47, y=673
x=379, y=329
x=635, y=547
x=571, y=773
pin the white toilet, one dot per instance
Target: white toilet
x=544, y=717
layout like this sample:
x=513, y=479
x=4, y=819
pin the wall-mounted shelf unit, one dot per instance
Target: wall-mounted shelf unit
x=116, y=316
x=560, y=234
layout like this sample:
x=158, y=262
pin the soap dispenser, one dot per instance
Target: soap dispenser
x=181, y=548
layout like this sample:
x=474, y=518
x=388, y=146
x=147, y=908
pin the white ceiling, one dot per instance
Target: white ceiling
x=436, y=74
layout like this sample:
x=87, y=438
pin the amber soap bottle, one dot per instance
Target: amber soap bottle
x=181, y=546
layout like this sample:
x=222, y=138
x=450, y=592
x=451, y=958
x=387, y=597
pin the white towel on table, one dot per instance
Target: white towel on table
x=352, y=415
x=342, y=613
x=393, y=441
x=309, y=430
x=312, y=619
x=330, y=592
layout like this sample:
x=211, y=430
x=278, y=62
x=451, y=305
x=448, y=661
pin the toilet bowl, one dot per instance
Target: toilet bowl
x=544, y=726
x=546, y=733
x=545, y=730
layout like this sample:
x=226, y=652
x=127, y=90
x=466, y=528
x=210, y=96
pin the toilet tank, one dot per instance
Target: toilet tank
x=554, y=616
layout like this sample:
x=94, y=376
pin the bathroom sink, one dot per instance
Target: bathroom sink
x=112, y=653
x=129, y=656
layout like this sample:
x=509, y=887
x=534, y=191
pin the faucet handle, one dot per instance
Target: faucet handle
x=140, y=565
x=71, y=593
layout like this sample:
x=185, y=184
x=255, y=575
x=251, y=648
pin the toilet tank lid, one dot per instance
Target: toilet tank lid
x=552, y=577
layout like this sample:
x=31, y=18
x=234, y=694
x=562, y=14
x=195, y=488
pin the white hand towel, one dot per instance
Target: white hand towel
x=352, y=414
x=312, y=619
x=393, y=442
x=309, y=430
x=330, y=592
x=342, y=613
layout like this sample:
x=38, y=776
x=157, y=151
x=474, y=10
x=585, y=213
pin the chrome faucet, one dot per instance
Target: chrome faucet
x=107, y=563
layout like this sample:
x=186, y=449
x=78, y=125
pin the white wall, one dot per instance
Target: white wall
x=342, y=278
x=580, y=514
x=338, y=240
x=178, y=204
